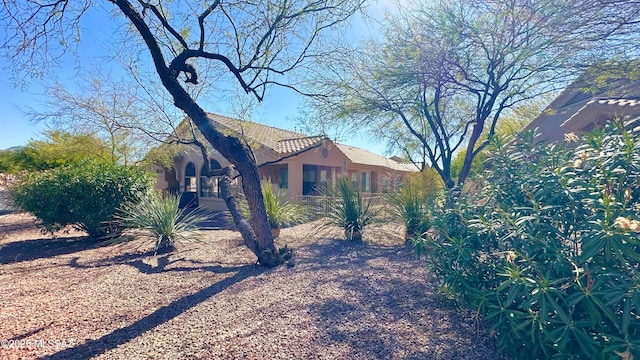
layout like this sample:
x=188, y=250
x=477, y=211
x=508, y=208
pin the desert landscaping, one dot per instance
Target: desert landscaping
x=68, y=297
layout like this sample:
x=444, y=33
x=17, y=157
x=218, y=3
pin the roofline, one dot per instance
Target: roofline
x=296, y=153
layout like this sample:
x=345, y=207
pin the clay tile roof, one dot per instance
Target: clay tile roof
x=278, y=140
x=293, y=145
x=602, y=107
x=365, y=157
x=618, y=102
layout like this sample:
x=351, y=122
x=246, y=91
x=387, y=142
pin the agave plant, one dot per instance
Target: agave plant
x=349, y=210
x=163, y=220
x=281, y=210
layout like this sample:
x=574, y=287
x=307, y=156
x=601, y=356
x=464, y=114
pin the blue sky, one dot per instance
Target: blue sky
x=280, y=108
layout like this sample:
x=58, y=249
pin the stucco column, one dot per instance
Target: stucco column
x=295, y=178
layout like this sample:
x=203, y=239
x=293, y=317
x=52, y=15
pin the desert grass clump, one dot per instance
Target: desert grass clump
x=411, y=206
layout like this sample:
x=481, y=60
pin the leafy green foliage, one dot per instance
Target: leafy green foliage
x=84, y=195
x=162, y=155
x=508, y=126
x=477, y=164
x=348, y=209
x=548, y=251
x=281, y=210
x=9, y=161
x=57, y=148
x=163, y=220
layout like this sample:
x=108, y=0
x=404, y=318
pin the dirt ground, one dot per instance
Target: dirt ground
x=67, y=297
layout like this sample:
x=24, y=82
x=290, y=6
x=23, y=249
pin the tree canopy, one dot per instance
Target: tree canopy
x=56, y=148
x=255, y=43
x=444, y=72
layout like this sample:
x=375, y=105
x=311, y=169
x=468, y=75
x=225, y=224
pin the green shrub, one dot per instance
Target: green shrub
x=163, y=220
x=547, y=252
x=348, y=209
x=85, y=196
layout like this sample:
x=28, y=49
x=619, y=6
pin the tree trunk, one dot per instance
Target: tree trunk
x=267, y=255
x=257, y=233
x=259, y=239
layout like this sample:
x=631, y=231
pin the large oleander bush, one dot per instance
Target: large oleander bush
x=547, y=251
x=85, y=195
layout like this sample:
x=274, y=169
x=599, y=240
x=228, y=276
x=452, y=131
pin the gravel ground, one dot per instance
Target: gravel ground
x=6, y=204
x=70, y=298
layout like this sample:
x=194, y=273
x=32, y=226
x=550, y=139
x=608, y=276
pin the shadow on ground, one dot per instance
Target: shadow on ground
x=123, y=335
x=27, y=250
x=164, y=263
x=379, y=296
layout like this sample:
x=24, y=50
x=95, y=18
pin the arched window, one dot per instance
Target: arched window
x=190, y=178
x=209, y=186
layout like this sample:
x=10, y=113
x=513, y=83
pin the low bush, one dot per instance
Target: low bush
x=281, y=209
x=85, y=196
x=547, y=252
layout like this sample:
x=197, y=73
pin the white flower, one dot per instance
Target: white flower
x=627, y=224
x=570, y=137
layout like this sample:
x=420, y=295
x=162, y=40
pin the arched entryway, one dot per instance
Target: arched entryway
x=209, y=186
x=189, y=196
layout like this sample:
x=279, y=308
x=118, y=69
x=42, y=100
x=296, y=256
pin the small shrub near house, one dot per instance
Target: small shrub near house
x=547, y=253
x=281, y=209
x=85, y=196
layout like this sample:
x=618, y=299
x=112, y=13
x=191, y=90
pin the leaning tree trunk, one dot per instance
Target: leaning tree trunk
x=259, y=240
x=257, y=234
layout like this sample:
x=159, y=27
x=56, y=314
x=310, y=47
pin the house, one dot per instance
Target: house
x=583, y=106
x=295, y=162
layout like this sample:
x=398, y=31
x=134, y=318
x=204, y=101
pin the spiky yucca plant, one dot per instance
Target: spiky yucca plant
x=411, y=206
x=163, y=220
x=349, y=210
x=281, y=210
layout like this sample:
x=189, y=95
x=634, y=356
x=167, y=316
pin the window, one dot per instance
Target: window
x=385, y=184
x=209, y=186
x=309, y=174
x=395, y=184
x=365, y=185
x=190, y=178
x=284, y=178
x=354, y=180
